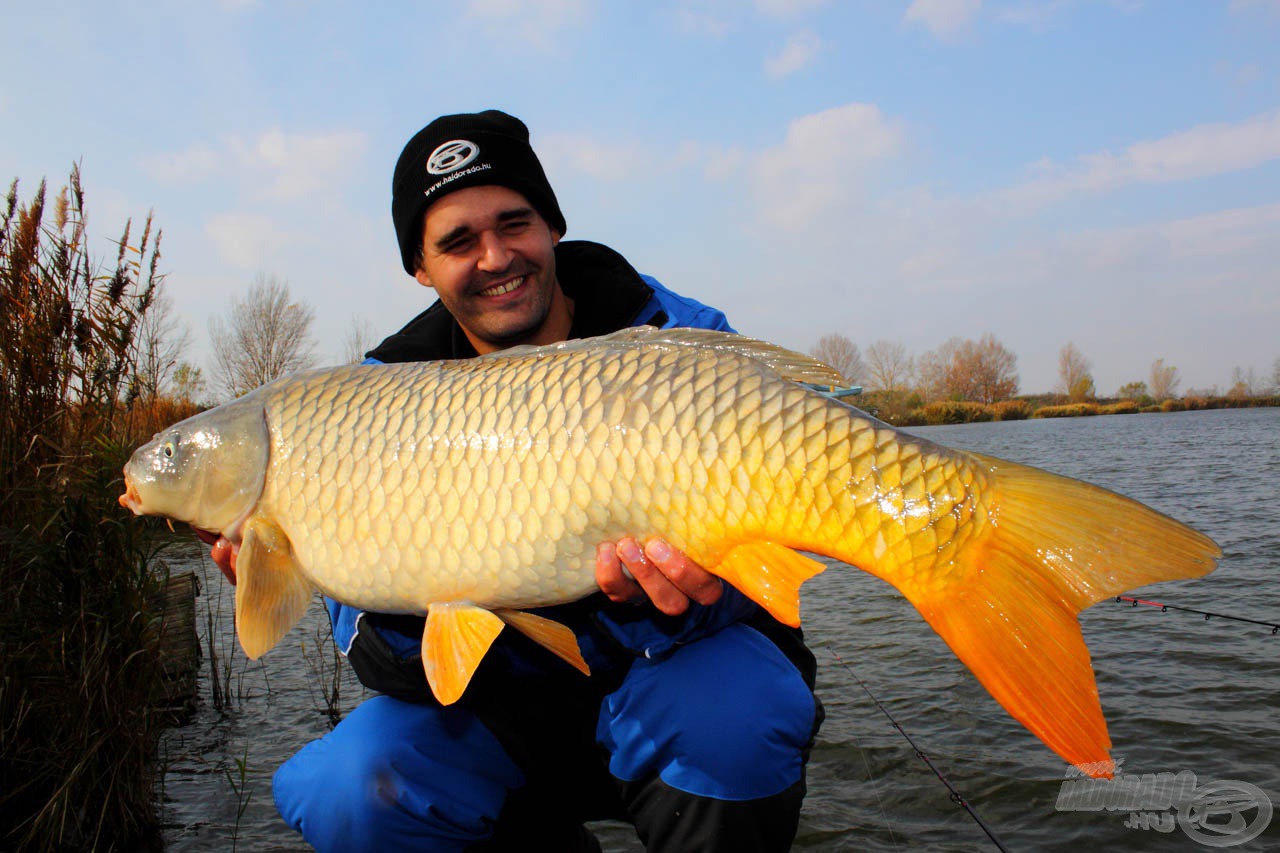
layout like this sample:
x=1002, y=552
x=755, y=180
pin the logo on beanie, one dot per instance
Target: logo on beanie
x=451, y=156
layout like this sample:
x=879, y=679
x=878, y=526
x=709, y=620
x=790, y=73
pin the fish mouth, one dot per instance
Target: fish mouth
x=131, y=500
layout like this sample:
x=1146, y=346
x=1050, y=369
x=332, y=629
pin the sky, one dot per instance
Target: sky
x=1102, y=172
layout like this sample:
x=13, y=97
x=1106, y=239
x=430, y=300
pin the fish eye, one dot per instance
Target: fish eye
x=168, y=449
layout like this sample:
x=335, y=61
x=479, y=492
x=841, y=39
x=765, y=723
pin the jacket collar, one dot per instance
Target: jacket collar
x=607, y=293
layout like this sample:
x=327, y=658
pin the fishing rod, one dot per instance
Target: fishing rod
x=956, y=797
x=1165, y=608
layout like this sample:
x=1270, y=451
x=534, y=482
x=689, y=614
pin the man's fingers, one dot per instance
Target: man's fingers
x=687, y=576
x=612, y=578
x=665, y=595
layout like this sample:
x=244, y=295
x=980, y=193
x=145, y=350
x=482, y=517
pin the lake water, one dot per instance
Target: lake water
x=1180, y=693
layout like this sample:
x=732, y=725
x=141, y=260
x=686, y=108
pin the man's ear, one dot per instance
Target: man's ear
x=555, y=237
x=423, y=278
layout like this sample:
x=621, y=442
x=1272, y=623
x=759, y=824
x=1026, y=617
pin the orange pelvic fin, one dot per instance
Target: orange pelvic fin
x=552, y=636
x=770, y=575
x=1051, y=547
x=271, y=593
x=457, y=636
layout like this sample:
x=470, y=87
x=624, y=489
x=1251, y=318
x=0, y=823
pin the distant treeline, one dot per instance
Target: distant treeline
x=905, y=409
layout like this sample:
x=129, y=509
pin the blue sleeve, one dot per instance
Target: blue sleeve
x=681, y=311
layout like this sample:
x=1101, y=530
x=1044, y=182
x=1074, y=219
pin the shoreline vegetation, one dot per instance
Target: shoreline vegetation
x=904, y=409
x=81, y=677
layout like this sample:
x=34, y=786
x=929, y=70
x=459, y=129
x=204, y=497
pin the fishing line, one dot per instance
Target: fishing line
x=1165, y=608
x=956, y=797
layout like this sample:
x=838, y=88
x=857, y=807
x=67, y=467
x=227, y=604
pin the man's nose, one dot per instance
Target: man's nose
x=494, y=254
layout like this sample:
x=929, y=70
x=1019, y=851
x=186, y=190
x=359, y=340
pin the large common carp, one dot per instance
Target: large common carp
x=469, y=490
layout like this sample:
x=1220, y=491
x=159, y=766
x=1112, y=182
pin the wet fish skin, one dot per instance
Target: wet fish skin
x=461, y=490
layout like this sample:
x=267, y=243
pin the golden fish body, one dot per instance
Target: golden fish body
x=469, y=490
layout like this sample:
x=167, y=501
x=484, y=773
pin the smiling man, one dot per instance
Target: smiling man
x=696, y=722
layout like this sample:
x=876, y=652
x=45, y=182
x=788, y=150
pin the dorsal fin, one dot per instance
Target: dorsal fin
x=788, y=364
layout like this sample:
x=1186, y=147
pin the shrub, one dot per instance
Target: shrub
x=955, y=412
x=1071, y=410
x=1011, y=410
x=1173, y=406
x=1124, y=407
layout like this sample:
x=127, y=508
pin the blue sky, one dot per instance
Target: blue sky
x=1106, y=173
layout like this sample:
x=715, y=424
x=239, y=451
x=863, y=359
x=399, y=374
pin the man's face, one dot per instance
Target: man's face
x=488, y=255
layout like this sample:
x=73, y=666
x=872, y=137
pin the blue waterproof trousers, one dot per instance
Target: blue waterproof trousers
x=704, y=749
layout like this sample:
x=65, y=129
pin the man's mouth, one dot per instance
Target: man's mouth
x=505, y=287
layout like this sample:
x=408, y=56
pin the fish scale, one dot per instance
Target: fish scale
x=469, y=490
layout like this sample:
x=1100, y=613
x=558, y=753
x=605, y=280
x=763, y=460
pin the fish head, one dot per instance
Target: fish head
x=208, y=470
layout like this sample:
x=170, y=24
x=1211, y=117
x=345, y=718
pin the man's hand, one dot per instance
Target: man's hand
x=659, y=572
x=223, y=552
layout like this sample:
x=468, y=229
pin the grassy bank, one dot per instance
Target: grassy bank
x=902, y=409
x=78, y=669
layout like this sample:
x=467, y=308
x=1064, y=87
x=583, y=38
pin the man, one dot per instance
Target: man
x=696, y=721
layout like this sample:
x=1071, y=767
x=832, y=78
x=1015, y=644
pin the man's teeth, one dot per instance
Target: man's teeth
x=505, y=288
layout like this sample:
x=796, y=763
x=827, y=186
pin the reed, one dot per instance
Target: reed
x=79, y=673
x=956, y=412
x=1070, y=410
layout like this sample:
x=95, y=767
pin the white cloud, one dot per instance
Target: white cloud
x=247, y=240
x=822, y=163
x=1272, y=6
x=722, y=163
x=1201, y=151
x=297, y=164
x=179, y=167
x=787, y=8
x=536, y=23
x=946, y=19
x=1036, y=15
x=701, y=23
x=799, y=51
x=275, y=164
x=613, y=161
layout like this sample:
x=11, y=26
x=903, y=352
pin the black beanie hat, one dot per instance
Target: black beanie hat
x=459, y=151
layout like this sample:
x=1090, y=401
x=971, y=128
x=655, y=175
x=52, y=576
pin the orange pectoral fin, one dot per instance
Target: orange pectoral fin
x=457, y=636
x=272, y=593
x=552, y=636
x=770, y=575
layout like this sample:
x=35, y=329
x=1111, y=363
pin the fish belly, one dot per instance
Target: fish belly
x=492, y=481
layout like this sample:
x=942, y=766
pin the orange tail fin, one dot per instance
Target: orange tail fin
x=1053, y=547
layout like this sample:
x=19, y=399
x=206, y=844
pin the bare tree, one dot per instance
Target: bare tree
x=1164, y=380
x=841, y=353
x=1243, y=383
x=264, y=337
x=889, y=367
x=359, y=340
x=1074, y=376
x=161, y=340
x=982, y=371
x=188, y=382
